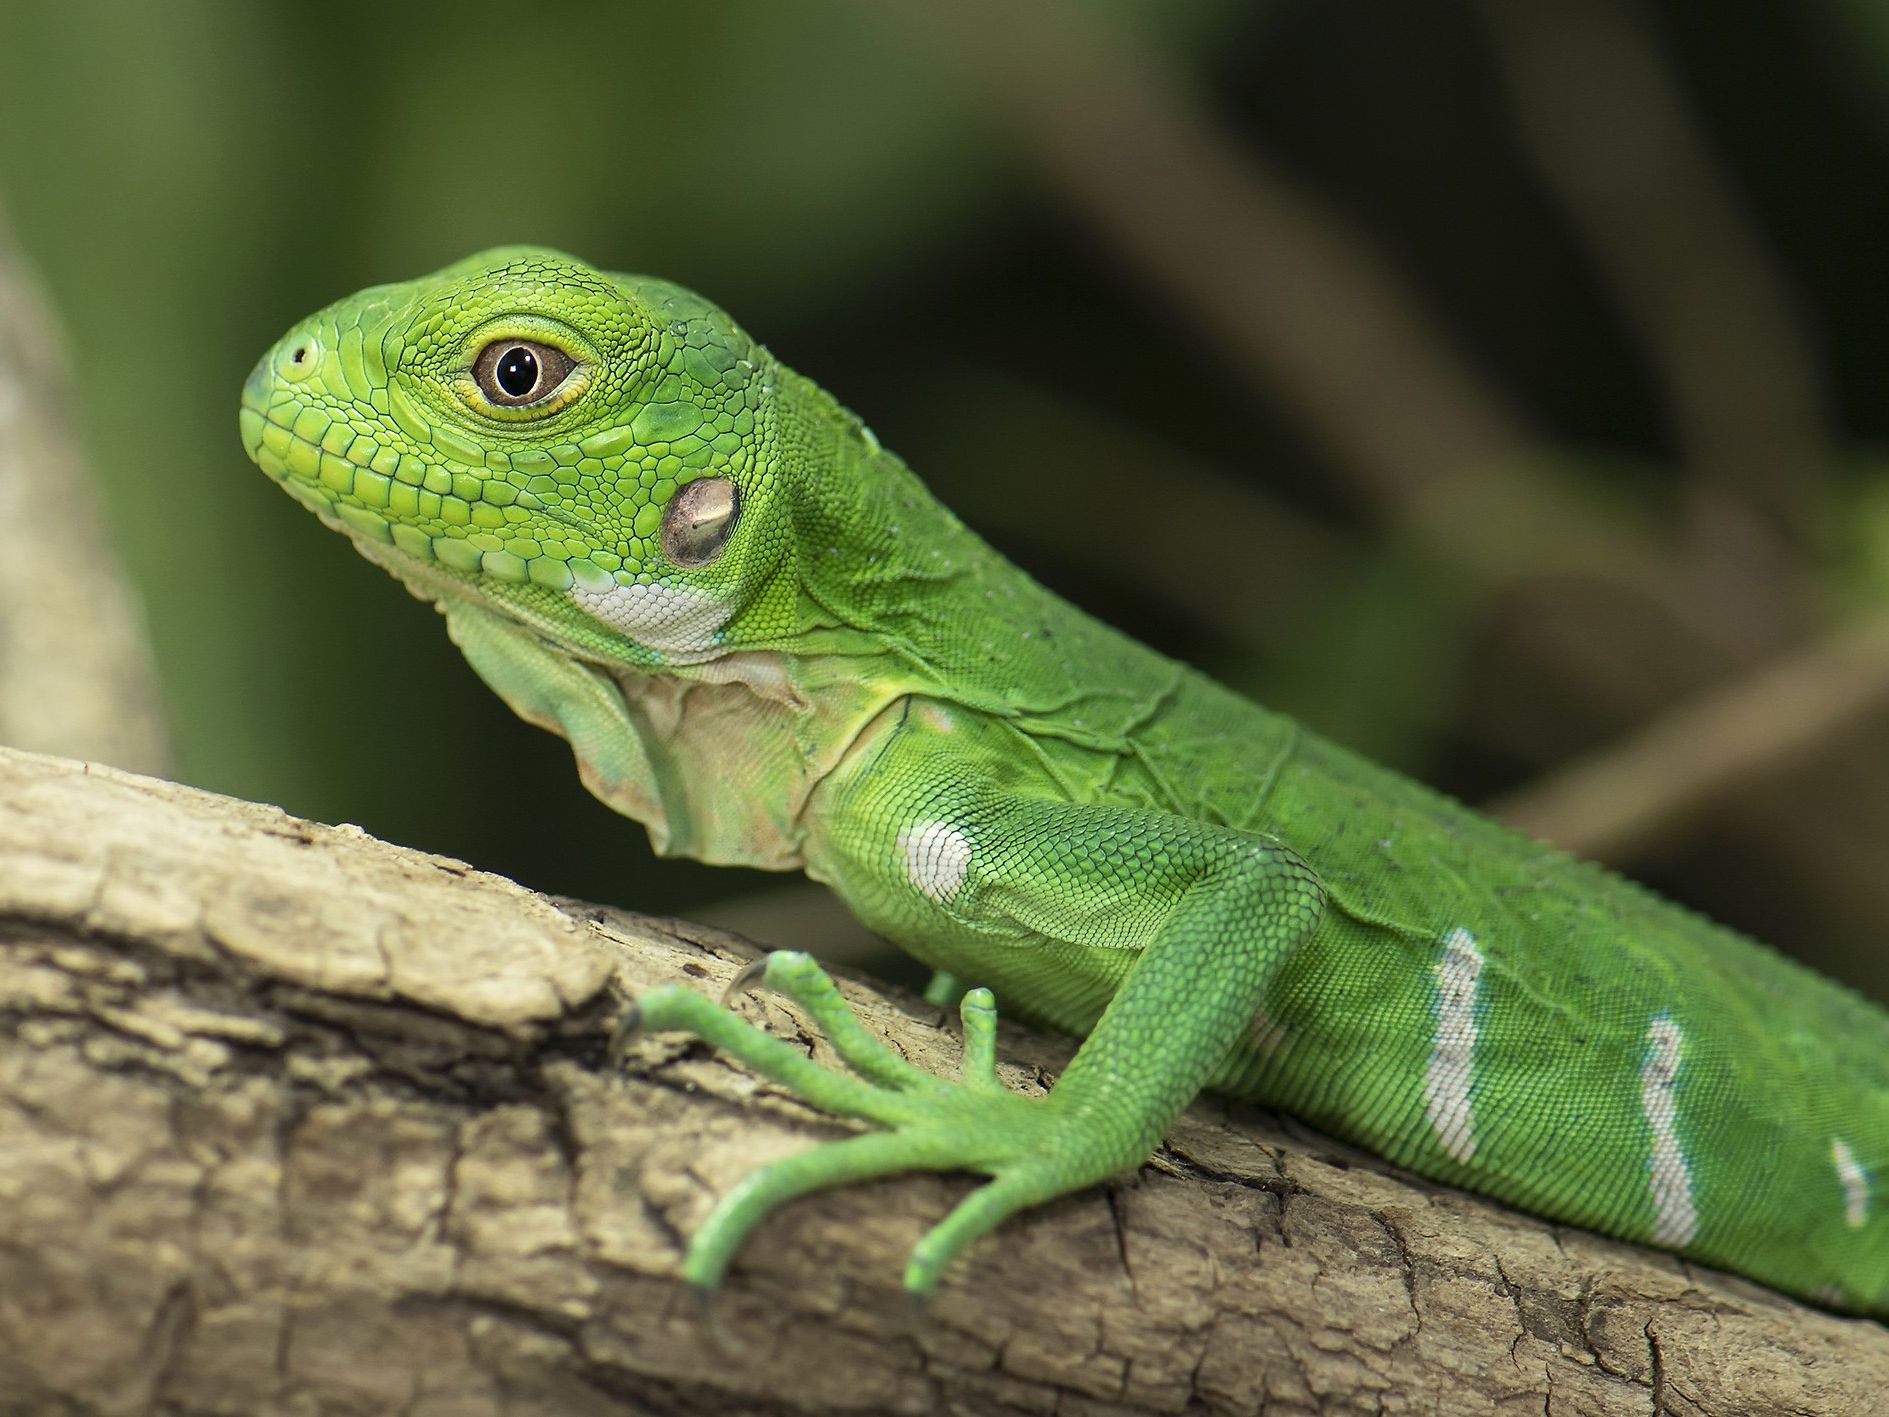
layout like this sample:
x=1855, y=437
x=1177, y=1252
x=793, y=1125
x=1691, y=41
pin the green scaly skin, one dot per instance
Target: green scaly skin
x=831, y=673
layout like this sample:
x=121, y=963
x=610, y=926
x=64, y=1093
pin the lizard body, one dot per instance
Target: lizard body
x=769, y=643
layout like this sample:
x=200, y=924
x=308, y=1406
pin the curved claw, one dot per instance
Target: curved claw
x=763, y=1191
x=977, y=1214
x=744, y=979
x=628, y=1026
x=708, y=1309
x=917, y=1308
x=798, y=976
x=674, y=1006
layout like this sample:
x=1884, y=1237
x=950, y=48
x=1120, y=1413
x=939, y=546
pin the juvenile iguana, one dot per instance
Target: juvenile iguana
x=767, y=642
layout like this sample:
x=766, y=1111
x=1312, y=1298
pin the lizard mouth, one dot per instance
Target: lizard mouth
x=378, y=496
x=665, y=623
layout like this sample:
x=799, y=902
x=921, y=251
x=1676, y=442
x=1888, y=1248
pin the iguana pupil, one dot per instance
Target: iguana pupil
x=518, y=371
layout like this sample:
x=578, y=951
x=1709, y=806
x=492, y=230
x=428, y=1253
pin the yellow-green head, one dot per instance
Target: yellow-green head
x=595, y=454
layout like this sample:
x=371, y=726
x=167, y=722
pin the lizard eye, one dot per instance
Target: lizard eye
x=699, y=520
x=515, y=372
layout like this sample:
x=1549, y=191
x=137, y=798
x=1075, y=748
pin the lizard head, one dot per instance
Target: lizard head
x=592, y=454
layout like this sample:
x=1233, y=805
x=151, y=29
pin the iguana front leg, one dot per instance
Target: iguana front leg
x=1201, y=914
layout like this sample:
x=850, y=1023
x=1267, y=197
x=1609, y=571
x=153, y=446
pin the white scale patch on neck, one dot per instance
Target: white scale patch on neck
x=936, y=857
x=660, y=617
x=1675, y=1218
x=1447, y=1077
x=1855, y=1183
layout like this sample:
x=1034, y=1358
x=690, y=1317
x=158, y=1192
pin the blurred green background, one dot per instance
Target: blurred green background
x=1483, y=382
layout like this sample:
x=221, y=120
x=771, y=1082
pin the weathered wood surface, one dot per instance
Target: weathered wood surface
x=294, y=1121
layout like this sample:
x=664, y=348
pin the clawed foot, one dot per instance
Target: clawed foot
x=1030, y=1148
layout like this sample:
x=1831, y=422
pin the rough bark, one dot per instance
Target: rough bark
x=295, y=1121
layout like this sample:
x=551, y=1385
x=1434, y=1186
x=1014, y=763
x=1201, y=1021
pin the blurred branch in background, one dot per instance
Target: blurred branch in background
x=75, y=671
x=1317, y=318
x=1599, y=114
x=1324, y=326
x=1660, y=780
x=1306, y=307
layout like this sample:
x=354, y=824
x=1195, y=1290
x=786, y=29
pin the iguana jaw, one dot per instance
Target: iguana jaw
x=594, y=617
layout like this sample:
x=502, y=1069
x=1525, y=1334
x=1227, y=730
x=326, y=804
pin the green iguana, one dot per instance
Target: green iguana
x=767, y=642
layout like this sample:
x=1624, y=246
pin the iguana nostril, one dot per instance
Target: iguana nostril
x=297, y=361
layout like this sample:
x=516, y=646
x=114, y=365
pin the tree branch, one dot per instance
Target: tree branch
x=75, y=672
x=1601, y=116
x=1658, y=781
x=294, y=1119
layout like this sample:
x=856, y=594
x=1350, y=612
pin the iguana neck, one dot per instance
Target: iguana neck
x=913, y=586
x=737, y=746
